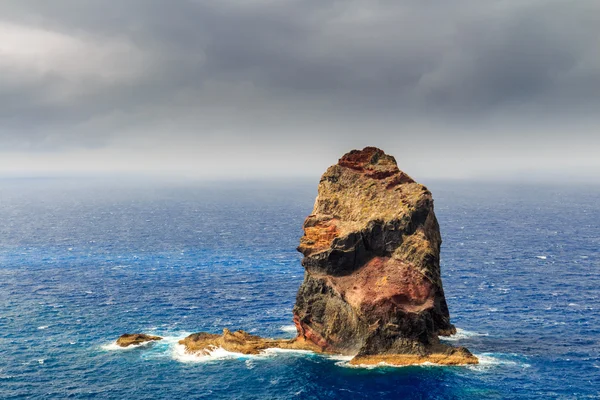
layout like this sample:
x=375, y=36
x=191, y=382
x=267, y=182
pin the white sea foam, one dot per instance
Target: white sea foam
x=166, y=343
x=179, y=353
x=462, y=334
x=218, y=353
x=115, y=347
x=488, y=361
x=274, y=351
x=344, y=361
x=170, y=347
x=288, y=328
x=346, y=364
x=338, y=357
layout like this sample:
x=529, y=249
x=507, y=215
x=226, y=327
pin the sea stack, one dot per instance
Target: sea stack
x=372, y=286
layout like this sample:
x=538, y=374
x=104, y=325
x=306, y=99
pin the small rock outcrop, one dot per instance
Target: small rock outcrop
x=372, y=286
x=241, y=342
x=129, y=339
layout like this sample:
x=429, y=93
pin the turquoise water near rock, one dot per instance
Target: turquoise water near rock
x=82, y=262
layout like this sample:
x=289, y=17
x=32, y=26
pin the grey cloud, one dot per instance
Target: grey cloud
x=276, y=68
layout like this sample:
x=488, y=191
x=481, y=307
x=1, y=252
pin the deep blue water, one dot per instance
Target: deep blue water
x=82, y=262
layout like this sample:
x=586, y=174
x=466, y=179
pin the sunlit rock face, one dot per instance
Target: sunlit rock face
x=371, y=251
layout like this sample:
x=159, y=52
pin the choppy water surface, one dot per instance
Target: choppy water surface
x=83, y=262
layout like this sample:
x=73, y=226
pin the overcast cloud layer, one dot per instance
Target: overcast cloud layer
x=452, y=88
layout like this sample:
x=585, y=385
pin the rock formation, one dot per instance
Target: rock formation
x=241, y=342
x=129, y=339
x=372, y=286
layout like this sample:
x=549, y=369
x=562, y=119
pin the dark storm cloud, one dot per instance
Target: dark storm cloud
x=106, y=72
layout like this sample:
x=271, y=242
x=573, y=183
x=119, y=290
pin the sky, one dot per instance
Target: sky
x=230, y=89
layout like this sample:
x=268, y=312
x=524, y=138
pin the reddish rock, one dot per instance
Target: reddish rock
x=371, y=251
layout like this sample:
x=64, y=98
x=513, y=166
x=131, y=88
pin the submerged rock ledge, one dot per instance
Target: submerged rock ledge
x=372, y=287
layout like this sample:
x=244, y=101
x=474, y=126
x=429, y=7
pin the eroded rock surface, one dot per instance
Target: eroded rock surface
x=372, y=286
x=129, y=339
x=241, y=342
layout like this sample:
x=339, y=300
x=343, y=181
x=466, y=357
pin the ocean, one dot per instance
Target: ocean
x=84, y=261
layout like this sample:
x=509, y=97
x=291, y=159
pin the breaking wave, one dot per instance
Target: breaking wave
x=115, y=347
x=166, y=342
x=462, y=334
x=170, y=348
x=218, y=353
x=487, y=361
x=288, y=328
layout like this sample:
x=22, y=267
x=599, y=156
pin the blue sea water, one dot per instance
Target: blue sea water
x=82, y=262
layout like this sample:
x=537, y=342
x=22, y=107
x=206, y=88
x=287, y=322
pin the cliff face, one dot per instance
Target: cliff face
x=371, y=251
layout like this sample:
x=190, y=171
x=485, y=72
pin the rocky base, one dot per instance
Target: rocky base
x=203, y=343
x=447, y=356
x=130, y=339
x=241, y=342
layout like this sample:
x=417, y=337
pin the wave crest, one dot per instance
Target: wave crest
x=218, y=353
x=288, y=328
x=462, y=334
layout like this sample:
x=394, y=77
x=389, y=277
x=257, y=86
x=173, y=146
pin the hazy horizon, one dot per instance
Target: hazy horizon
x=233, y=89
